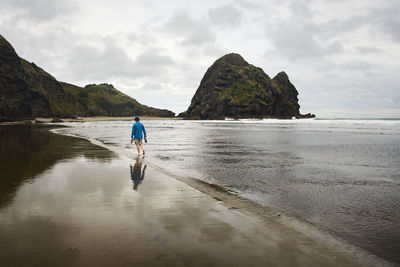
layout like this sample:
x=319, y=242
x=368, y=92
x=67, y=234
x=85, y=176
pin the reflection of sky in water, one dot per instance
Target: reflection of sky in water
x=84, y=211
x=341, y=175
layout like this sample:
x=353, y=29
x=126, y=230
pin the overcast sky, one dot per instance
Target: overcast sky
x=342, y=56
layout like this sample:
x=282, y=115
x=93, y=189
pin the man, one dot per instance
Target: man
x=137, y=135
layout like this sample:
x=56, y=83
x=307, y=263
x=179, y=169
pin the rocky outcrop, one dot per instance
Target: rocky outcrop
x=233, y=88
x=27, y=91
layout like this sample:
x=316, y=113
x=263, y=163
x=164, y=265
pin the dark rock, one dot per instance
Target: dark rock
x=39, y=122
x=183, y=114
x=233, y=88
x=307, y=116
x=56, y=120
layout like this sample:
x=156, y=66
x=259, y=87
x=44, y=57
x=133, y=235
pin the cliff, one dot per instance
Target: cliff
x=27, y=91
x=232, y=87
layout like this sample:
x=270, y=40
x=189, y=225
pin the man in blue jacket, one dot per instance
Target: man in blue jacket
x=137, y=135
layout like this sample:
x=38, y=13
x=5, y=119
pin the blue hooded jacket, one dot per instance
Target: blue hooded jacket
x=137, y=130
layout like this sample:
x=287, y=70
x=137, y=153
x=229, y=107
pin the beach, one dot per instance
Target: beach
x=74, y=203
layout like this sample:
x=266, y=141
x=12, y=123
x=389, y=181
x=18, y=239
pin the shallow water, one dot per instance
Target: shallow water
x=340, y=175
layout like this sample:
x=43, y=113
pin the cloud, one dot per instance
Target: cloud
x=91, y=62
x=303, y=34
x=215, y=51
x=297, y=36
x=152, y=86
x=39, y=11
x=367, y=49
x=150, y=58
x=189, y=31
x=301, y=9
x=227, y=16
x=359, y=65
x=142, y=38
x=387, y=19
x=249, y=4
x=383, y=19
x=299, y=41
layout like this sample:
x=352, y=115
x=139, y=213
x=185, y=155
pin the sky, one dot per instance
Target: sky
x=342, y=56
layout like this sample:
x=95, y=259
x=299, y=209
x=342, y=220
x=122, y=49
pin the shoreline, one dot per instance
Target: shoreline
x=40, y=120
x=270, y=218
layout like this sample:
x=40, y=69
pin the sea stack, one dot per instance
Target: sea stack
x=233, y=88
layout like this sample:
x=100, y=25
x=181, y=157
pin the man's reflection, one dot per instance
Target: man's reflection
x=137, y=175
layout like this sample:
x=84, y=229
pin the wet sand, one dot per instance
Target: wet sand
x=77, y=204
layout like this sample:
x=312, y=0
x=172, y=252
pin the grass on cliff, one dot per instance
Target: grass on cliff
x=30, y=74
x=61, y=104
x=249, y=83
x=105, y=100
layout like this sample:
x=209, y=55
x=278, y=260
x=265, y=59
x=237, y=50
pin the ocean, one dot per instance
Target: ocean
x=340, y=176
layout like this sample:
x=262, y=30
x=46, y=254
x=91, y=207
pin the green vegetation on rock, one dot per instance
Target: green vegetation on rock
x=105, y=100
